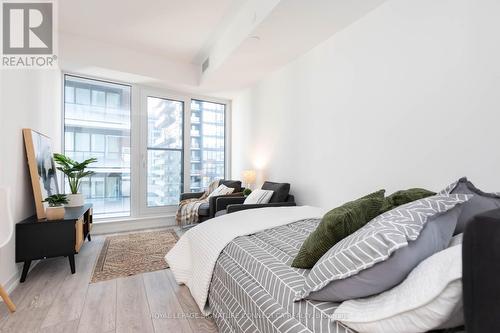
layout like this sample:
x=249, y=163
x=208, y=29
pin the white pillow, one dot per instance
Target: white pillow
x=259, y=196
x=456, y=240
x=427, y=299
x=221, y=190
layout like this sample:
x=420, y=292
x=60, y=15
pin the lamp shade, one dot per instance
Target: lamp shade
x=6, y=226
x=249, y=176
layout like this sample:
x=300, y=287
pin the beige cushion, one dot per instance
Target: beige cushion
x=221, y=190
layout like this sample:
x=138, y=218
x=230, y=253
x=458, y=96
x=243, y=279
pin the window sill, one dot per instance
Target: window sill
x=122, y=224
x=98, y=220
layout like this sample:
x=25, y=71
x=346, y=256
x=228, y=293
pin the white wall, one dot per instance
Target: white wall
x=406, y=96
x=29, y=99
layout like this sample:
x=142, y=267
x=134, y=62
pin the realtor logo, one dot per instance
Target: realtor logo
x=28, y=29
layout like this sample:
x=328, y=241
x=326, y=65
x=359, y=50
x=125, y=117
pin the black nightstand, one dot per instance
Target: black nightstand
x=40, y=239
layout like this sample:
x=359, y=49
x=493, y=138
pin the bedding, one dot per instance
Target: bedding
x=481, y=202
x=192, y=259
x=438, y=302
x=337, y=224
x=375, y=243
x=403, y=197
x=253, y=285
x=238, y=267
x=434, y=237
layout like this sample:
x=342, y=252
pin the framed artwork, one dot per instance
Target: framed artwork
x=42, y=168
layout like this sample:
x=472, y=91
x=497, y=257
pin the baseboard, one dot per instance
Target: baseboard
x=13, y=282
x=99, y=228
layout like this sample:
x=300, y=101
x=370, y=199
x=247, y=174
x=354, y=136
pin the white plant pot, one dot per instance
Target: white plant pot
x=75, y=200
x=55, y=213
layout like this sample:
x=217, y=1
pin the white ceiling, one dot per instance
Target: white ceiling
x=177, y=30
x=292, y=28
x=164, y=42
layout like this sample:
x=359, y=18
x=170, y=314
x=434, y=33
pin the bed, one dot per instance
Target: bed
x=237, y=268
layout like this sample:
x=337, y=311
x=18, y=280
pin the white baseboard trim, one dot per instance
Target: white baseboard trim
x=132, y=224
x=13, y=282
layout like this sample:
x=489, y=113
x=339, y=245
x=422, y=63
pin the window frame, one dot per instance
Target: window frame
x=226, y=164
x=138, y=140
x=65, y=74
x=144, y=209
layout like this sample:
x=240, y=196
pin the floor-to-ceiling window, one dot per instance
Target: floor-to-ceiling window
x=207, y=143
x=165, y=151
x=97, y=124
x=178, y=144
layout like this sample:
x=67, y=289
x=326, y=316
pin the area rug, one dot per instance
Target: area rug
x=131, y=254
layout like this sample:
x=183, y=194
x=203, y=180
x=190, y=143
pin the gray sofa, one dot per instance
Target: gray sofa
x=281, y=197
x=207, y=210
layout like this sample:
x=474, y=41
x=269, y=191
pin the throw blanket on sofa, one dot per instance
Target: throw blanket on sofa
x=187, y=213
x=192, y=259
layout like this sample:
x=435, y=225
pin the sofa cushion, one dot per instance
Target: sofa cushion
x=236, y=184
x=221, y=190
x=337, y=224
x=258, y=196
x=221, y=212
x=280, y=190
x=204, y=209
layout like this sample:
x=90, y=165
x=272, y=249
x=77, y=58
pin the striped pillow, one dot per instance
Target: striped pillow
x=221, y=190
x=259, y=197
x=377, y=240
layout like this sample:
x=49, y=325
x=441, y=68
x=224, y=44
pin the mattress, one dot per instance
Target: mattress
x=253, y=285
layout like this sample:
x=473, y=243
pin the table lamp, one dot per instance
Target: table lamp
x=249, y=177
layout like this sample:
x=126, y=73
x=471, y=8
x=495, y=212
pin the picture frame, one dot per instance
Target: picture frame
x=42, y=168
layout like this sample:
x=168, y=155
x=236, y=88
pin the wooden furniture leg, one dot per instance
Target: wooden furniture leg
x=10, y=305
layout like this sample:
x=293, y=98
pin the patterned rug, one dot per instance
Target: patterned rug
x=131, y=254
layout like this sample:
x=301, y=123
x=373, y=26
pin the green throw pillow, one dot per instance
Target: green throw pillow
x=337, y=224
x=404, y=196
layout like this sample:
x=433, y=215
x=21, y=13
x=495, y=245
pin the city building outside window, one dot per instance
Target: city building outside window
x=97, y=124
x=207, y=143
x=165, y=151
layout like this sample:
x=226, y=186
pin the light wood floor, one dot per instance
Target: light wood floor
x=53, y=300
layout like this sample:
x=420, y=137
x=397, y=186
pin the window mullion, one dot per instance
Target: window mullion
x=187, y=144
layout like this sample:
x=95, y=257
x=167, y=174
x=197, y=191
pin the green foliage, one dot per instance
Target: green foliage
x=74, y=170
x=247, y=191
x=56, y=200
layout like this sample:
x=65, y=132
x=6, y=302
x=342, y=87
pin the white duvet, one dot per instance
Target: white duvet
x=192, y=259
x=429, y=298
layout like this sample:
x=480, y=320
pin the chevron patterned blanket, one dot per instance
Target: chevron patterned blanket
x=253, y=285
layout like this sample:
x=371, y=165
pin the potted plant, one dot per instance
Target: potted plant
x=75, y=171
x=246, y=192
x=55, y=210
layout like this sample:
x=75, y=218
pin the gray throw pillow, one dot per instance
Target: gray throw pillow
x=374, y=243
x=434, y=237
x=481, y=202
